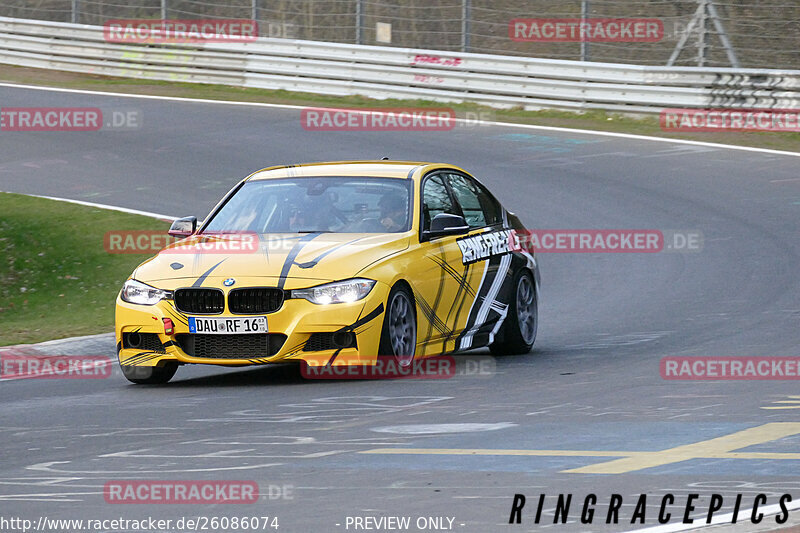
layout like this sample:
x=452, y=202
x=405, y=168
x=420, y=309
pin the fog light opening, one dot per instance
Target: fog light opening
x=134, y=340
x=343, y=339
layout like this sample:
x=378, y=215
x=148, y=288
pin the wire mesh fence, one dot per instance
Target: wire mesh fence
x=759, y=33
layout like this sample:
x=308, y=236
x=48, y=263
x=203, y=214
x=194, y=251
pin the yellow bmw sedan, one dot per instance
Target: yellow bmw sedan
x=333, y=264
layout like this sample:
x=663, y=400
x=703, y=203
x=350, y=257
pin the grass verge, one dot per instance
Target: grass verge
x=591, y=120
x=56, y=279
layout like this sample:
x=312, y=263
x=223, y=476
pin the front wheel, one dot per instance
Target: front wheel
x=519, y=329
x=149, y=375
x=399, y=334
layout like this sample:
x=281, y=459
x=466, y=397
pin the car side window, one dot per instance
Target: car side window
x=478, y=207
x=435, y=200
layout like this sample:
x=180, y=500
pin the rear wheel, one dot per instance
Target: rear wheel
x=149, y=375
x=399, y=335
x=522, y=322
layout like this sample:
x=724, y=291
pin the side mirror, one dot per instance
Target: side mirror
x=183, y=227
x=446, y=224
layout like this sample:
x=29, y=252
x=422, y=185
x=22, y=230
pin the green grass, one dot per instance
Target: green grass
x=56, y=279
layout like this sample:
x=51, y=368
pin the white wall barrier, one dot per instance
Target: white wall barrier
x=385, y=72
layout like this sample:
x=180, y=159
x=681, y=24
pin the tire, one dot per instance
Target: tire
x=518, y=332
x=149, y=375
x=399, y=333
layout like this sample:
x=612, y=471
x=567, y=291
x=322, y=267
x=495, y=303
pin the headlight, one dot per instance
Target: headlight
x=338, y=292
x=136, y=292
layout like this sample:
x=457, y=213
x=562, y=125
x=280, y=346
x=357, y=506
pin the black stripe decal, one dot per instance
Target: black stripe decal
x=439, y=291
x=289, y=261
x=461, y=279
x=427, y=310
x=313, y=262
x=493, y=265
x=363, y=320
x=202, y=278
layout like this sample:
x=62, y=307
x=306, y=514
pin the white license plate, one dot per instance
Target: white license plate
x=226, y=326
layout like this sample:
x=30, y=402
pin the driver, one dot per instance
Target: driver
x=393, y=212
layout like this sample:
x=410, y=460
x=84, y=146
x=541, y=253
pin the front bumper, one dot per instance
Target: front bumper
x=297, y=319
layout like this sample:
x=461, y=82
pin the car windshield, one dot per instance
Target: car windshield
x=323, y=204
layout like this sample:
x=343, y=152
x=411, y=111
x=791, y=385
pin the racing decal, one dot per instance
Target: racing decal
x=266, y=244
x=313, y=262
x=375, y=313
x=487, y=313
x=497, y=268
x=437, y=300
x=363, y=320
x=431, y=316
x=464, y=291
x=292, y=255
x=484, y=245
x=141, y=357
x=177, y=315
x=208, y=272
x=461, y=279
x=468, y=292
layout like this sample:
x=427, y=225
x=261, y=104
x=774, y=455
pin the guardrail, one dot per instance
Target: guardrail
x=383, y=72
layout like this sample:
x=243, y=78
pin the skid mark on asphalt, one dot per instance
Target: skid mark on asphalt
x=334, y=409
x=609, y=341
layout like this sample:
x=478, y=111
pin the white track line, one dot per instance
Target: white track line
x=492, y=123
x=104, y=206
x=743, y=519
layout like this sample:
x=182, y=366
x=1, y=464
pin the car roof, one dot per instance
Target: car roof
x=376, y=169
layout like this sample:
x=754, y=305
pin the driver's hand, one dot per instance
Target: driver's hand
x=387, y=223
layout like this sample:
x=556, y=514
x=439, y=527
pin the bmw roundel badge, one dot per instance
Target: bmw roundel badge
x=228, y=282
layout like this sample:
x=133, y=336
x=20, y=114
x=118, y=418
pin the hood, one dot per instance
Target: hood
x=283, y=260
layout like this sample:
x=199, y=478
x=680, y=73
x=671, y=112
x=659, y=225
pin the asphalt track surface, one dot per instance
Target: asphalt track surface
x=592, y=382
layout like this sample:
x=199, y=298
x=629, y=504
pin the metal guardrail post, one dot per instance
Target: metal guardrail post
x=723, y=35
x=76, y=15
x=705, y=10
x=466, y=8
x=254, y=11
x=163, y=9
x=359, y=21
x=584, y=44
x=702, y=38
